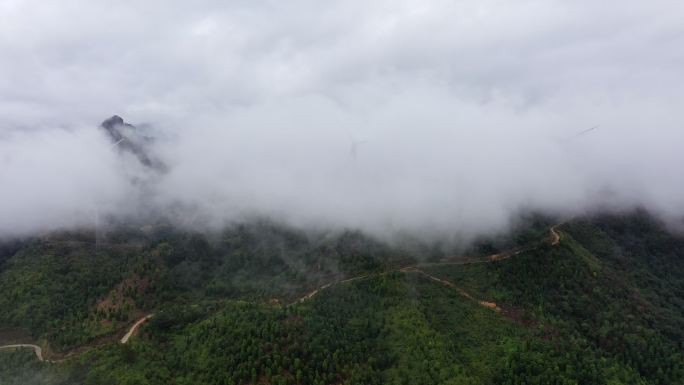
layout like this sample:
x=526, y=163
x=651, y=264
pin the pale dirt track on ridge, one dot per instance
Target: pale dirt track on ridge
x=81, y=349
x=555, y=235
x=554, y=240
x=133, y=328
x=488, y=305
x=37, y=349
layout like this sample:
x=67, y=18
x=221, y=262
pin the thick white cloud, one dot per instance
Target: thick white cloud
x=467, y=109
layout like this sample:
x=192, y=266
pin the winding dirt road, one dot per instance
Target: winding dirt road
x=488, y=305
x=135, y=327
x=554, y=240
x=327, y=285
x=555, y=235
x=37, y=349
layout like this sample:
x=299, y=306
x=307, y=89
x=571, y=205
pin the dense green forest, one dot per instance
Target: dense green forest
x=604, y=306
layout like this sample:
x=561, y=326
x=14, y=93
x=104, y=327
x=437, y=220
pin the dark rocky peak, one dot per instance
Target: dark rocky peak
x=112, y=122
x=126, y=138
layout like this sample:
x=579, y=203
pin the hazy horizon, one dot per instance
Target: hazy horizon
x=428, y=117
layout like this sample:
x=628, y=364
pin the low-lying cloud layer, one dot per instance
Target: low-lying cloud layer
x=435, y=117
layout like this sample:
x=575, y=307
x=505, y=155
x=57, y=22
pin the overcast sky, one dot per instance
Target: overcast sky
x=437, y=117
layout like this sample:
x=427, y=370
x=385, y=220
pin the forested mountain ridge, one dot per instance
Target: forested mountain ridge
x=604, y=305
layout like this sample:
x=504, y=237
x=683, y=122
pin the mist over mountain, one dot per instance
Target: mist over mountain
x=438, y=118
x=126, y=137
x=351, y=192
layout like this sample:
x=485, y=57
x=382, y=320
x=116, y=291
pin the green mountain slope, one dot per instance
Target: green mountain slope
x=603, y=306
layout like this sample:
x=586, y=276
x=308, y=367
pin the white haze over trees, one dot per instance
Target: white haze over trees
x=435, y=117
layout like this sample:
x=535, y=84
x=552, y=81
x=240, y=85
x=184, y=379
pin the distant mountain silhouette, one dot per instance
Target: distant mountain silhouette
x=126, y=137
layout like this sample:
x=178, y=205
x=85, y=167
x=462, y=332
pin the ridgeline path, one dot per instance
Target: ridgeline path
x=327, y=285
x=135, y=327
x=57, y=358
x=555, y=235
x=37, y=349
x=488, y=305
x=554, y=240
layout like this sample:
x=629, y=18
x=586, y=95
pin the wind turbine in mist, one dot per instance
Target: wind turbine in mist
x=97, y=208
x=584, y=132
x=353, y=150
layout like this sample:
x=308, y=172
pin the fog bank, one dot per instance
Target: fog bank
x=432, y=117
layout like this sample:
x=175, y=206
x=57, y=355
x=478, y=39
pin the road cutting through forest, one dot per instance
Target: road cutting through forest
x=488, y=305
x=36, y=349
x=135, y=327
x=555, y=235
x=39, y=351
x=554, y=240
x=327, y=285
